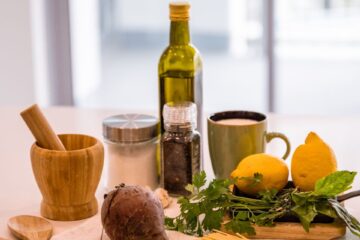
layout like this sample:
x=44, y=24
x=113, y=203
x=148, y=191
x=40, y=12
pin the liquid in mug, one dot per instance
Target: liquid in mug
x=237, y=122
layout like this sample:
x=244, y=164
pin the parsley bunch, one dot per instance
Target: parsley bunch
x=205, y=209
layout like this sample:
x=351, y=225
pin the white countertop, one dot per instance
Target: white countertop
x=20, y=194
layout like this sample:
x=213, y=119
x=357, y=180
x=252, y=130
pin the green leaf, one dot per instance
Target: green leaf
x=253, y=181
x=300, y=198
x=169, y=223
x=199, y=179
x=242, y=215
x=266, y=219
x=304, y=208
x=216, y=189
x=184, y=203
x=213, y=220
x=323, y=207
x=238, y=226
x=190, y=188
x=268, y=195
x=258, y=177
x=306, y=213
x=334, y=184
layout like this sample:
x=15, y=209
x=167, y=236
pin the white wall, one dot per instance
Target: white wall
x=16, y=71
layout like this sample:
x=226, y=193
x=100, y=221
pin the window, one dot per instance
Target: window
x=316, y=54
x=227, y=33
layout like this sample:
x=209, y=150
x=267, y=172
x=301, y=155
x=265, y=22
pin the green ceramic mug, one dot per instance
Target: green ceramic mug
x=234, y=135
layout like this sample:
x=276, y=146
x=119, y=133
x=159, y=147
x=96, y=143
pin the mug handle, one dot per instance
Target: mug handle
x=271, y=135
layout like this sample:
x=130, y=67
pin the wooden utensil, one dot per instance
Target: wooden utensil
x=41, y=129
x=68, y=179
x=349, y=195
x=30, y=227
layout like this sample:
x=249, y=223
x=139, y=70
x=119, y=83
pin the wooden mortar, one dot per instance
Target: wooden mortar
x=68, y=179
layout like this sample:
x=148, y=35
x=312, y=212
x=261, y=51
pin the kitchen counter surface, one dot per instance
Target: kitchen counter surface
x=20, y=194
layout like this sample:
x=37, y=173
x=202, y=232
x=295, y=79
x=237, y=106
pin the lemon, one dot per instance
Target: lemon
x=274, y=173
x=312, y=161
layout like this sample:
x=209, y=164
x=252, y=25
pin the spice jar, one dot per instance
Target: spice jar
x=131, y=141
x=180, y=147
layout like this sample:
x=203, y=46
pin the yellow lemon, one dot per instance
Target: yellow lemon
x=312, y=161
x=274, y=173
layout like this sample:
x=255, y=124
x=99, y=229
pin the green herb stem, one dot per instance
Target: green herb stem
x=205, y=209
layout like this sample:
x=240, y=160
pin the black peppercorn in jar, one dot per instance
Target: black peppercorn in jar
x=180, y=147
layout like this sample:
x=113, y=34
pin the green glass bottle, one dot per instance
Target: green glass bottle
x=180, y=65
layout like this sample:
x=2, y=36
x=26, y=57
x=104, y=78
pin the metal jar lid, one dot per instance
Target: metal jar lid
x=130, y=128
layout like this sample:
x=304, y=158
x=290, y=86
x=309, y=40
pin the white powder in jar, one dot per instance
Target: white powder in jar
x=132, y=164
x=132, y=143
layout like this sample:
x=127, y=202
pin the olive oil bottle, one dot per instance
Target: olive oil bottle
x=180, y=65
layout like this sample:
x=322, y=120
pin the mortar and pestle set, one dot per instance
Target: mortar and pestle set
x=67, y=169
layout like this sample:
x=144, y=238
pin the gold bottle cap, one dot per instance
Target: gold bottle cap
x=179, y=11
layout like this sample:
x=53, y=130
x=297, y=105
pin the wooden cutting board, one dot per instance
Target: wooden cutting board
x=287, y=230
x=294, y=230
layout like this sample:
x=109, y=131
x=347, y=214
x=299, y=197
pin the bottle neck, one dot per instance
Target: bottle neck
x=179, y=33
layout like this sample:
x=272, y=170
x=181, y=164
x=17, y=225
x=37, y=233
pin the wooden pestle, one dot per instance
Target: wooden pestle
x=41, y=129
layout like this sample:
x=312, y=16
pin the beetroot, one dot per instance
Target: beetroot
x=133, y=212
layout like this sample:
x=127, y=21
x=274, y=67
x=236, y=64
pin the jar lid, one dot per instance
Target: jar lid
x=180, y=113
x=130, y=128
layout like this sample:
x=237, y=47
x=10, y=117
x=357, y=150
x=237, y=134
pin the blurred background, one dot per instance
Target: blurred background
x=285, y=56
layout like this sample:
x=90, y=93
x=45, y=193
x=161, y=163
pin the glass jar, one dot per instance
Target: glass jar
x=131, y=141
x=180, y=147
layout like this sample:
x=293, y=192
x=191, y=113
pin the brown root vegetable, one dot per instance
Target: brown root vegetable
x=131, y=213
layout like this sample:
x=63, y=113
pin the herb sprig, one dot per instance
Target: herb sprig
x=205, y=208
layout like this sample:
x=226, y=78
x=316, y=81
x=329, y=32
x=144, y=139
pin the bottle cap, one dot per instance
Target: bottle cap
x=179, y=11
x=130, y=128
x=180, y=114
